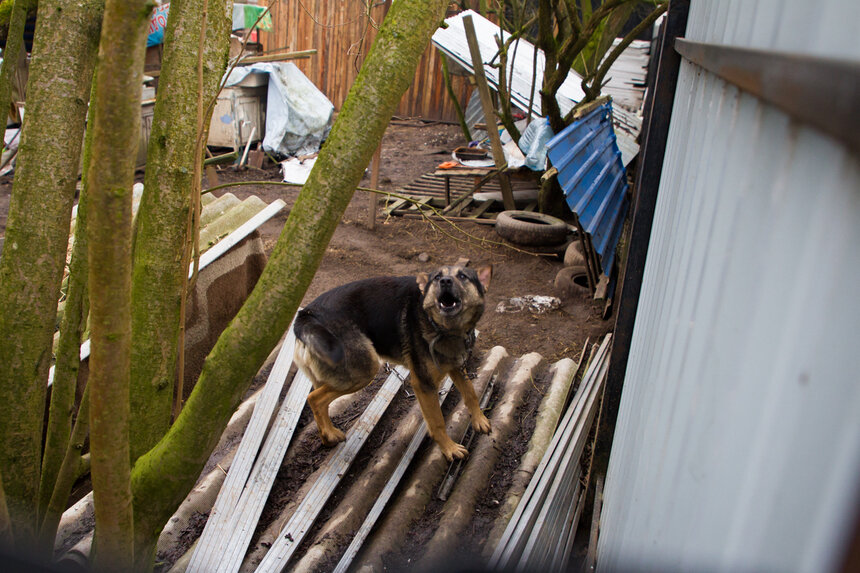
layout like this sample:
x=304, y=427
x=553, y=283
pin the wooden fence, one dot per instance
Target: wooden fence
x=342, y=32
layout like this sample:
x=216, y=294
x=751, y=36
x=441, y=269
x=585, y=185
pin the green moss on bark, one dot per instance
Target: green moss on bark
x=36, y=240
x=66, y=371
x=162, y=219
x=14, y=40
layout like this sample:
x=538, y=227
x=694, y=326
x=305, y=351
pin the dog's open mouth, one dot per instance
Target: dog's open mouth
x=448, y=302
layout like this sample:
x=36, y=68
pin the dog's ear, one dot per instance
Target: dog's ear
x=484, y=275
x=422, y=279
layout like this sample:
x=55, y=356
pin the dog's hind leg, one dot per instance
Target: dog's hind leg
x=319, y=401
x=479, y=421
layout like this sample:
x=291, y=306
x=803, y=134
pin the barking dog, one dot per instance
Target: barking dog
x=427, y=323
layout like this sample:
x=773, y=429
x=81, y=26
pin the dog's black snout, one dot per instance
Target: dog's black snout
x=446, y=282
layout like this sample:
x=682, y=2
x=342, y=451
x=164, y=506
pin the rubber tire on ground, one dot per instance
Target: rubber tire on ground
x=571, y=280
x=530, y=229
x=573, y=255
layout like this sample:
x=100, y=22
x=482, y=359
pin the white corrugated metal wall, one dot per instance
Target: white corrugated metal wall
x=737, y=446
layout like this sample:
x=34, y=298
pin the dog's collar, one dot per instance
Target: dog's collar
x=468, y=339
x=435, y=326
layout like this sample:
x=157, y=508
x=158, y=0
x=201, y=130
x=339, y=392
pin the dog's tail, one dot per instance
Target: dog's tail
x=319, y=339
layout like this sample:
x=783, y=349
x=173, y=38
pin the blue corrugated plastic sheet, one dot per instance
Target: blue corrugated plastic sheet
x=592, y=177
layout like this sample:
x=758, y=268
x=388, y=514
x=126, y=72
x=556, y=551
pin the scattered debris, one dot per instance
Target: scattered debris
x=470, y=153
x=298, y=115
x=571, y=280
x=457, y=514
x=257, y=157
x=573, y=255
x=10, y=150
x=530, y=228
x=297, y=170
x=248, y=483
x=626, y=76
x=383, y=498
x=334, y=469
x=536, y=304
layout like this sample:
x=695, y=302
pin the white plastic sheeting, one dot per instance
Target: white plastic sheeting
x=298, y=115
x=737, y=446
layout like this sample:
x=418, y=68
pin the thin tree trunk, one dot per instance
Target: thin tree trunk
x=249, y=338
x=461, y=117
x=116, y=129
x=66, y=476
x=161, y=235
x=6, y=541
x=36, y=240
x=68, y=348
x=14, y=41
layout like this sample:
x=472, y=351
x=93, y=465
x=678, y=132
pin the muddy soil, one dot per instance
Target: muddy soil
x=405, y=247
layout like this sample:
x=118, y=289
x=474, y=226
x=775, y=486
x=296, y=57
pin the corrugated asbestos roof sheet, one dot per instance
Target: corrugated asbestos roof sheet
x=224, y=222
x=592, y=176
x=626, y=83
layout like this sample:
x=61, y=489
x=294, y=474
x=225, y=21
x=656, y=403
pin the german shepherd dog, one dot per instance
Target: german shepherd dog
x=426, y=323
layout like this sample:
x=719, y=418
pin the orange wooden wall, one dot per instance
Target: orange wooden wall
x=342, y=33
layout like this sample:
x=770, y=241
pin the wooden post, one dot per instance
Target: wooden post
x=373, y=202
x=489, y=112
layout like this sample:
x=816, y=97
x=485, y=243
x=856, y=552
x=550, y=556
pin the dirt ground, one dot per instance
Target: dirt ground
x=401, y=246
x=409, y=149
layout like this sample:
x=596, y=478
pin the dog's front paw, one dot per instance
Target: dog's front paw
x=453, y=450
x=332, y=436
x=481, y=424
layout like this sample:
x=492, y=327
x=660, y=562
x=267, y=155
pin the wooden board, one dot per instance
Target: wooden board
x=333, y=470
x=217, y=533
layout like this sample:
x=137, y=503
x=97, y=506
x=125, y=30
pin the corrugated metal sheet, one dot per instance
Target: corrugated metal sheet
x=737, y=445
x=592, y=177
x=624, y=81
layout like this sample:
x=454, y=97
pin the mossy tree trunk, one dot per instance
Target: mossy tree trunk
x=14, y=41
x=162, y=229
x=68, y=359
x=163, y=476
x=36, y=240
x=116, y=129
x=56, y=480
x=6, y=541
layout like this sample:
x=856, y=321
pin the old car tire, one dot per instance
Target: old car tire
x=573, y=255
x=571, y=280
x=531, y=229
